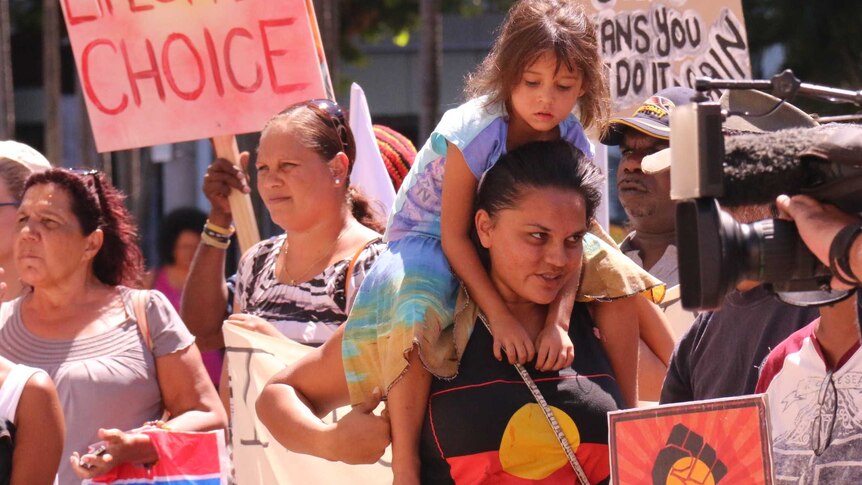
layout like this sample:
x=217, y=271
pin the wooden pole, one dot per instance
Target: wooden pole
x=240, y=204
x=7, y=98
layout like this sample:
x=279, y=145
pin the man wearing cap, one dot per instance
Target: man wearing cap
x=646, y=196
x=17, y=162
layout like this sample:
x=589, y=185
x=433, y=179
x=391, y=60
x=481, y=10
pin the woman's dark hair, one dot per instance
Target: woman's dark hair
x=13, y=174
x=175, y=223
x=537, y=165
x=98, y=205
x=319, y=133
x=536, y=27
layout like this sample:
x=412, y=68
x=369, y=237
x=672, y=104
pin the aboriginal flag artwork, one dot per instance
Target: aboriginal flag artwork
x=715, y=442
x=485, y=427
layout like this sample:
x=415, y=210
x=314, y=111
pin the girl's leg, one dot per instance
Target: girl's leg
x=618, y=323
x=406, y=404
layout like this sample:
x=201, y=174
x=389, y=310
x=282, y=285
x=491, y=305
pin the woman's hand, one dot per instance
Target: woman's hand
x=360, y=436
x=555, y=349
x=117, y=447
x=510, y=336
x=254, y=323
x=223, y=176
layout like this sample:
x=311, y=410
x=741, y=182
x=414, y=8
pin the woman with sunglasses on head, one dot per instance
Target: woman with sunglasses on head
x=120, y=357
x=297, y=285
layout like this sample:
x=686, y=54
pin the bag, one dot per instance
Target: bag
x=184, y=458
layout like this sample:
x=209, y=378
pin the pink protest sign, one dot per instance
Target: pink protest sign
x=162, y=71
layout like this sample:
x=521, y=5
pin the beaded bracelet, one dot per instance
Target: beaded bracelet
x=216, y=243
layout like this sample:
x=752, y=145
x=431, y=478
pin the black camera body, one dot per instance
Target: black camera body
x=715, y=251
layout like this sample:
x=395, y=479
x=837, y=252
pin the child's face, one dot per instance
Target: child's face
x=545, y=95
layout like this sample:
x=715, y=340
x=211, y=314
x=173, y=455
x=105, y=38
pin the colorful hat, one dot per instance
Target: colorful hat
x=25, y=155
x=652, y=117
x=397, y=151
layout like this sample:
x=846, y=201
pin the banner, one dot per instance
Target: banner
x=253, y=359
x=157, y=71
x=649, y=46
x=716, y=442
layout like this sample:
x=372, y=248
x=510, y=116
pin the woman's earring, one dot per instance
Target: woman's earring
x=337, y=181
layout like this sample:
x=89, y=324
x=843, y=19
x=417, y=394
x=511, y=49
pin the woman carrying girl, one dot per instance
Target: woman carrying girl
x=544, y=63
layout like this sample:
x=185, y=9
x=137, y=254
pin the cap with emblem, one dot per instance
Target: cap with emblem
x=652, y=117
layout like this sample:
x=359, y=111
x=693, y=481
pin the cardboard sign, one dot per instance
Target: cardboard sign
x=722, y=441
x=649, y=46
x=253, y=359
x=162, y=71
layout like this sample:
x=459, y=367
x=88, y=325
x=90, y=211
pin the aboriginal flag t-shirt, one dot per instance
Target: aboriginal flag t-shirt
x=485, y=427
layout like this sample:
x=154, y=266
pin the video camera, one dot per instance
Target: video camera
x=715, y=251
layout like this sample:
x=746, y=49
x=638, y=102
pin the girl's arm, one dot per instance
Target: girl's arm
x=554, y=347
x=456, y=223
x=40, y=433
x=617, y=321
x=295, y=399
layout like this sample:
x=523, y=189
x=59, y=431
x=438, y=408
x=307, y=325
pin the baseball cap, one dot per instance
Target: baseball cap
x=24, y=155
x=756, y=104
x=652, y=117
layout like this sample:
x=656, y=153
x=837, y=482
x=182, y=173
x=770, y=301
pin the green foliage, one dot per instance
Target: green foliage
x=822, y=41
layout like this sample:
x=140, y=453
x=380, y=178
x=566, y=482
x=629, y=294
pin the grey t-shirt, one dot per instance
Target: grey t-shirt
x=104, y=381
x=721, y=353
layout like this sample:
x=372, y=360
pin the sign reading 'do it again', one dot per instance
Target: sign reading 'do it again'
x=162, y=71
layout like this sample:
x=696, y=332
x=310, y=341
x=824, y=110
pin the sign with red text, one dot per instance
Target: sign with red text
x=652, y=45
x=163, y=71
x=715, y=442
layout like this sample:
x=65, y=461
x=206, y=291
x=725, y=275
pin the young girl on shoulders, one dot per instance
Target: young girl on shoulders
x=544, y=64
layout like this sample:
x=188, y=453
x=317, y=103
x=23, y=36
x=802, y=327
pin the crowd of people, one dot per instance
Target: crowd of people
x=490, y=301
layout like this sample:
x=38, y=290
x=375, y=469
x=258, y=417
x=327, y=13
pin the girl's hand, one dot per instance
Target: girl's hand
x=254, y=323
x=555, y=349
x=510, y=336
x=116, y=447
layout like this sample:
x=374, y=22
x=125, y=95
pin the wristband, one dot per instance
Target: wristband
x=216, y=235
x=225, y=231
x=211, y=241
x=839, y=254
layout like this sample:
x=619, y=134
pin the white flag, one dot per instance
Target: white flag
x=369, y=172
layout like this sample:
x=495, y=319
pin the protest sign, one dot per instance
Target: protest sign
x=649, y=46
x=163, y=71
x=253, y=359
x=722, y=441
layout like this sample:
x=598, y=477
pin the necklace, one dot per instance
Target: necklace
x=327, y=253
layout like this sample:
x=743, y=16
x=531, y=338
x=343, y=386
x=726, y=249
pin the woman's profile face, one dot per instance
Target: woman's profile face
x=49, y=243
x=294, y=182
x=7, y=222
x=535, y=246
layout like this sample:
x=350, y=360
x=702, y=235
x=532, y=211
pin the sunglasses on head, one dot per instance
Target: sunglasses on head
x=91, y=179
x=335, y=117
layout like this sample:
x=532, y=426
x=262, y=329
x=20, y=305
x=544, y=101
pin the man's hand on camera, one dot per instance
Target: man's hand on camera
x=818, y=224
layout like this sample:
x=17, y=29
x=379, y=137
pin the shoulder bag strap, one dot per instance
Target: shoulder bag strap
x=139, y=304
x=353, y=263
x=549, y=415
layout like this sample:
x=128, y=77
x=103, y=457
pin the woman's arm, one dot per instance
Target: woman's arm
x=295, y=399
x=205, y=295
x=456, y=222
x=40, y=433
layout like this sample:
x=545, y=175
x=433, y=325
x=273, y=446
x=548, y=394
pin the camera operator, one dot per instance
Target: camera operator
x=751, y=320
x=814, y=378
